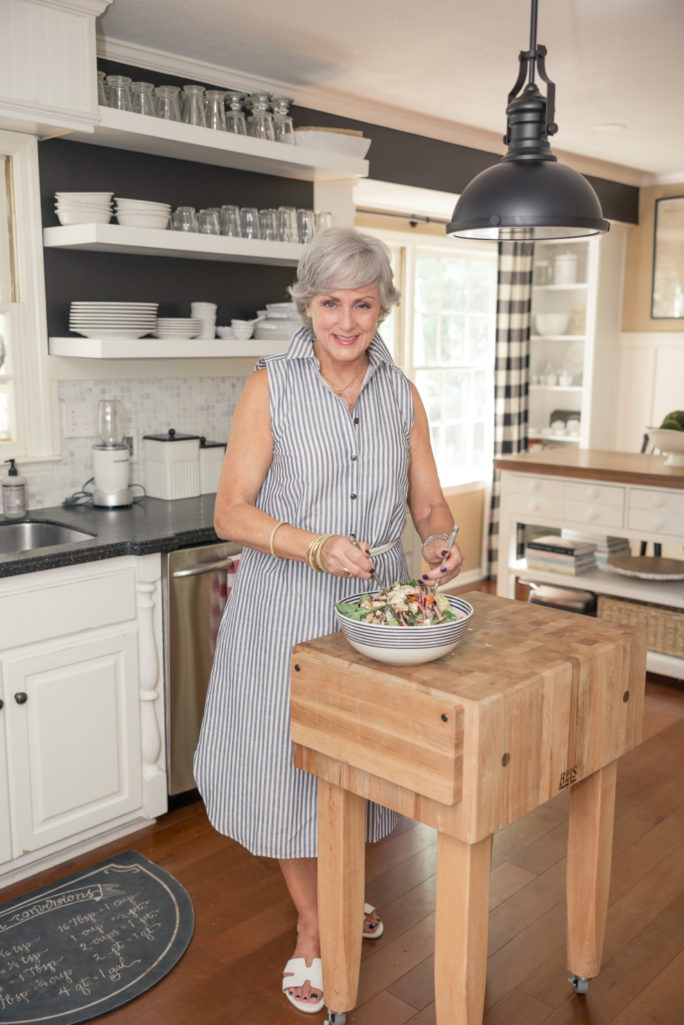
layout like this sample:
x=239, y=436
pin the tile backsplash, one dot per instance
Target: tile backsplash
x=201, y=405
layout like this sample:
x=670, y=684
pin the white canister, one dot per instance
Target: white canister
x=211, y=461
x=172, y=465
x=565, y=269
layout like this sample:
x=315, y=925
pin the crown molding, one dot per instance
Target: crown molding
x=331, y=101
x=91, y=7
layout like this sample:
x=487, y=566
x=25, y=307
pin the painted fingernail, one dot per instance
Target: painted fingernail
x=367, y=551
x=372, y=569
x=424, y=577
x=445, y=552
x=442, y=569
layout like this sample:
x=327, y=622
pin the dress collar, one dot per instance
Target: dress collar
x=301, y=347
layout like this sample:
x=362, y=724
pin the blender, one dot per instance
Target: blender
x=111, y=457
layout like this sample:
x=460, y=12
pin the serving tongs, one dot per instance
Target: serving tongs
x=449, y=546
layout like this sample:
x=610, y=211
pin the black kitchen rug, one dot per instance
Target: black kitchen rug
x=77, y=949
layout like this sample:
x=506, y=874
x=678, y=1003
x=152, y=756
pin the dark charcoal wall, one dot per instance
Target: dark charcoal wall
x=238, y=289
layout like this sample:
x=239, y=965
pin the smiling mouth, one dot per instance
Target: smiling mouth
x=345, y=339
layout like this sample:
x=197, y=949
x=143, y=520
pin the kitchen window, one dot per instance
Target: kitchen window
x=443, y=336
x=26, y=407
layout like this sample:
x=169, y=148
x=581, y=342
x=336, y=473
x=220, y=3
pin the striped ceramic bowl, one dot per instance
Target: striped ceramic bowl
x=406, y=645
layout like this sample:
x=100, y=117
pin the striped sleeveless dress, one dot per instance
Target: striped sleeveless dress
x=332, y=472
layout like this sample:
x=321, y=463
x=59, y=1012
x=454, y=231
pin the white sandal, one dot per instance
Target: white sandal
x=295, y=973
x=378, y=927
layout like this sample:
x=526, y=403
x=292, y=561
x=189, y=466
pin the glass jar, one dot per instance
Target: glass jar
x=119, y=92
x=216, y=109
x=235, y=119
x=192, y=105
x=168, y=102
x=142, y=98
x=260, y=121
x=102, y=89
x=283, y=127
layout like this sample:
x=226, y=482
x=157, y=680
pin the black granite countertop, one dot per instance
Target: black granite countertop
x=148, y=526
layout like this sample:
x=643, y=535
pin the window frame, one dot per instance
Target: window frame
x=405, y=248
x=34, y=419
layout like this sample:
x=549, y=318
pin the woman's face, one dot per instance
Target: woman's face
x=345, y=321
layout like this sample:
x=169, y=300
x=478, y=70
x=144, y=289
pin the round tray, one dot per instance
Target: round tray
x=648, y=567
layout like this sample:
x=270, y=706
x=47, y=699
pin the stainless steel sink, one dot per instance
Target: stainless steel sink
x=29, y=534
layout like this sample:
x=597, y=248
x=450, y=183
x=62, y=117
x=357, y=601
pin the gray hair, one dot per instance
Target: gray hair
x=343, y=258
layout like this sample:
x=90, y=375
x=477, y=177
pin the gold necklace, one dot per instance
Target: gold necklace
x=341, y=391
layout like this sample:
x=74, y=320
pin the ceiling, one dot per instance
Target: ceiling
x=439, y=69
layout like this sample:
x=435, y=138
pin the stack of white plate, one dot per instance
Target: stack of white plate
x=178, y=327
x=83, y=207
x=113, y=319
x=142, y=213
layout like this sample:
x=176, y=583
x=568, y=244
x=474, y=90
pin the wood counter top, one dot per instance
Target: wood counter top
x=593, y=464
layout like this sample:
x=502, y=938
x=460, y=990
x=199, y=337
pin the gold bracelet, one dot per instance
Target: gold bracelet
x=312, y=552
x=282, y=523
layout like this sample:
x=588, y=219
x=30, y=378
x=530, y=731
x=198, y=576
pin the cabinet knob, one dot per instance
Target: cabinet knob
x=534, y=505
x=658, y=501
x=657, y=523
x=592, y=493
x=591, y=514
x=21, y=697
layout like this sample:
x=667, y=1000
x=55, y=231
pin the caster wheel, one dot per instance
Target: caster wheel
x=581, y=985
x=334, y=1018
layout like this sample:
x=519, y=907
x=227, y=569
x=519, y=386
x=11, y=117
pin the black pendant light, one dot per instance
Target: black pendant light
x=528, y=194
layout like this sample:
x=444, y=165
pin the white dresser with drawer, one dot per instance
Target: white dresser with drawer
x=599, y=493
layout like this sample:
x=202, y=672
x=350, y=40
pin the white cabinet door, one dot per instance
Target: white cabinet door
x=73, y=736
x=5, y=822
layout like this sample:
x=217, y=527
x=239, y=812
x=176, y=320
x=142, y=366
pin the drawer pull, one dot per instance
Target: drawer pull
x=657, y=522
x=21, y=697
x=534, y=505
x=658, y=501
x=592, y=493
x=591, y=514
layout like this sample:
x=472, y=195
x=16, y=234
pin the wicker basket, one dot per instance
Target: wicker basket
x=664, y=625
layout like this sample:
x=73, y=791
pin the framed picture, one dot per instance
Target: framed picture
x=667, y=294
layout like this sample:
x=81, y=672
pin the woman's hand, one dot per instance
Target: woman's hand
x=341, y=558
x=435, y=554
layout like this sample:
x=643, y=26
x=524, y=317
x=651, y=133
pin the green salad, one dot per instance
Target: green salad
x=409, y=604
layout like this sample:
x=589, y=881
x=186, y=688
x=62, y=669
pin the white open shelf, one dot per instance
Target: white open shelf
x=659, y=592
x=163, y=242
x=164, y=348
x=141, y=133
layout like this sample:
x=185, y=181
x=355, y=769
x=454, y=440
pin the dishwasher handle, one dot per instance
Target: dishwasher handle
x=204, y=567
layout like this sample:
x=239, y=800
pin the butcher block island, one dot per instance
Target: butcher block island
x=531, y=702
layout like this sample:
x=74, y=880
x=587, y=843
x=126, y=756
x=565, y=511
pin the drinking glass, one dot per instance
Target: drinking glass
x=260, y=121
x=216, y=109
x=208, y=221
x=193, y=105
x=286, y=224
x=119, y=92
x=230, y=221
x=249, y=222
x=184, y=219
x=235, y=119
x=306, y=225
x=267, y=225
x=102, y=89
x=322, y=219
x=142, y=98
x=283, y=127
x=168, y=102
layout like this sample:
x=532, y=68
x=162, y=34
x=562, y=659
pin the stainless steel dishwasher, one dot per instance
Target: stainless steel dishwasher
x=196, y=584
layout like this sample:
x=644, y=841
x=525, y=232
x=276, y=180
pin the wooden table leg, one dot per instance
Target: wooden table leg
x=590, y=841
x=341, y=870
x=462, y=905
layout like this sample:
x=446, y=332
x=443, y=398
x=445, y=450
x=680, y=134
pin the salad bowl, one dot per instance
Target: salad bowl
x=405, y=645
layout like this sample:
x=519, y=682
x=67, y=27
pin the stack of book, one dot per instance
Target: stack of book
x=554, y=554
x=607, y=547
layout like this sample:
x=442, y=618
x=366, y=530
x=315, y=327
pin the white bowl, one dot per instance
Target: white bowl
x=85, y=197
x=242, y=328
x=143, y=220
x=670, y=442
x=225, y=332
x=551, y=323
x=334, y=142
x=86, y=217
x=140, y=204
x=276, y=328
x=405, y=646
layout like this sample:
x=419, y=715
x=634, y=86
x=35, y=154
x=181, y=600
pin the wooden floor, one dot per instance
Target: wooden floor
x=244, y=928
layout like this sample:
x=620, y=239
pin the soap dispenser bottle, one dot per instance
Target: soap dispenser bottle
x=13, y=494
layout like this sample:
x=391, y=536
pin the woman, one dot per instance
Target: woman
x=328, y=440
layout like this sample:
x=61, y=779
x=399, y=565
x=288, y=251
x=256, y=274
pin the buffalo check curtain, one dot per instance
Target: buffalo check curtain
x=511, y=370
